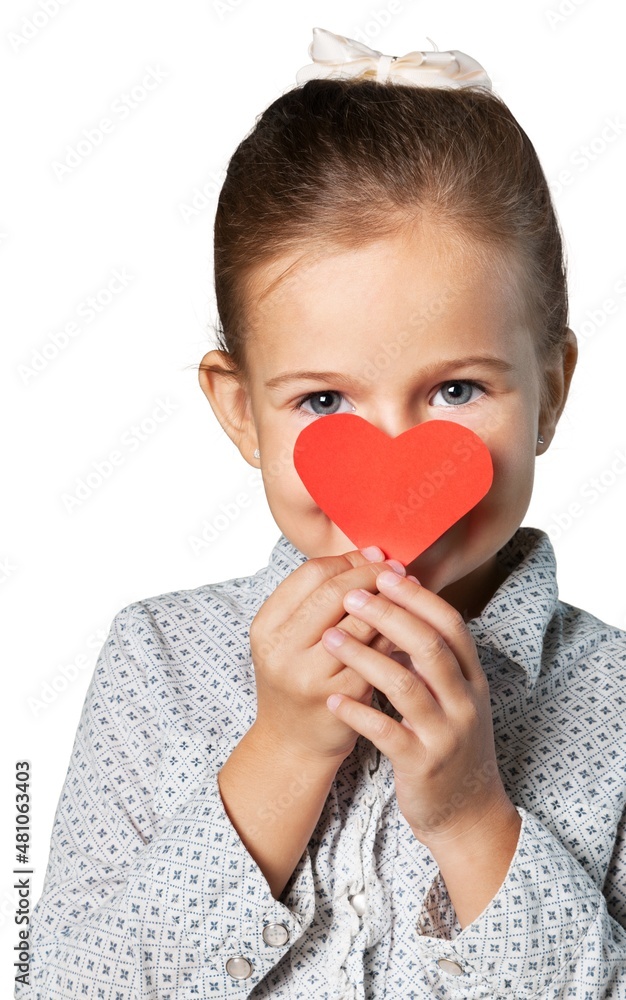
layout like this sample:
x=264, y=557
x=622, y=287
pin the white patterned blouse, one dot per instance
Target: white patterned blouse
x=150, y=893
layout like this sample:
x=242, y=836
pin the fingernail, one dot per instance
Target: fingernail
x=388, y=578
x=333, y=701
x=333, y=637
x=373, y=553
x=399, y=568
x=356, y=598
x=413, y=578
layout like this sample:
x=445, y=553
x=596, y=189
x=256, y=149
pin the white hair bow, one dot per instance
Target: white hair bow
x=336, y=56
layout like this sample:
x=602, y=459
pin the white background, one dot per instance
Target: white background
x=64, y=574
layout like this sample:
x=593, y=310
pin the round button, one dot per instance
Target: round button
x=275, y=934
x=358, y=902
x=452, y=968
x=239, y=967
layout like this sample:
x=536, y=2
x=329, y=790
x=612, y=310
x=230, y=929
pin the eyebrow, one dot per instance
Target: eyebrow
x=476, y=361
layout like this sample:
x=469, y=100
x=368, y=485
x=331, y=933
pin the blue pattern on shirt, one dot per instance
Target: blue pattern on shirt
x=149, y=890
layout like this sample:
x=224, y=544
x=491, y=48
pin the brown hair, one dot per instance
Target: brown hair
x=343, y=162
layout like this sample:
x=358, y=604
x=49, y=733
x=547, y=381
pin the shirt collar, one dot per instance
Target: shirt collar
x=284, y=558
x=513, y=623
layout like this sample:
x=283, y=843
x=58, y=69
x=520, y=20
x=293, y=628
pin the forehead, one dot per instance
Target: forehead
x=443, y=291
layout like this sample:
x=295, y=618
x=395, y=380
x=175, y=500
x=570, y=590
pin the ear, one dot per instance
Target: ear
x=558, y=380
x=230, y=402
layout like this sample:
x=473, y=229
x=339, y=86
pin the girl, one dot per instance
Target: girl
x=342, y=777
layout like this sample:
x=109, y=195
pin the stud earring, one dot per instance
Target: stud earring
x=540, y=439
x=257, y=453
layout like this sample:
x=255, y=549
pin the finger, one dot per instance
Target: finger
x=432, y=610
x=390, y=737
x=365, y=633
x=403, y=687
x=433, y=660
x=368, y=637
x=290, y=594
x=324, y=606
x=379, y=642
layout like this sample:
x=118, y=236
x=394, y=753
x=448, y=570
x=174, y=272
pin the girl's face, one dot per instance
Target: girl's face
x=414, y=329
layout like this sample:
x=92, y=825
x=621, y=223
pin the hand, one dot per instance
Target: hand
x=443, y=751
x=294, y=672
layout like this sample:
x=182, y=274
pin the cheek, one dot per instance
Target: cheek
x=283, y=484
x=513, y=472
x=279, y=473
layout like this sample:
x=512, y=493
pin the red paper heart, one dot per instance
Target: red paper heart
x=399, y=493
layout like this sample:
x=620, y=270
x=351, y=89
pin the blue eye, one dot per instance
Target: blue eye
x=326, y=402
x=458, y=392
